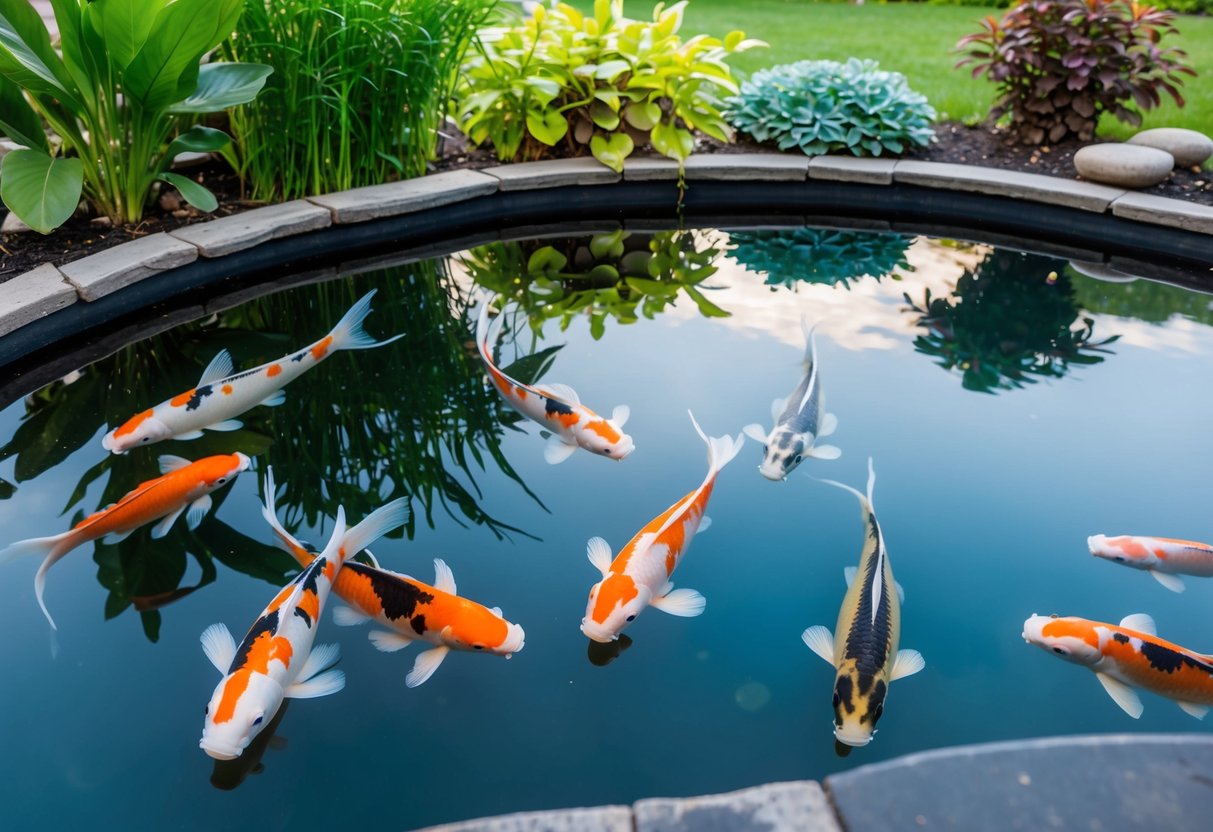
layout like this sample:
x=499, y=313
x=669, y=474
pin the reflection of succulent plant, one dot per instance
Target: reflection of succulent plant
x=790, y=256
x=618, y=275
x=1008, y=321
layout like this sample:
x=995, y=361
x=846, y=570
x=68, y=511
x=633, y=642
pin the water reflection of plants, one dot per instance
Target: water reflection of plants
x=830, y=256
x=1144, y=300
x=620, y=275
x=1008, y=322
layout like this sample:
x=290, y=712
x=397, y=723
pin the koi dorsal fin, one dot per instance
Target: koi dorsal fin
x=561, y=391
x=444, y=579
x=1140, y=622
x=219, y=368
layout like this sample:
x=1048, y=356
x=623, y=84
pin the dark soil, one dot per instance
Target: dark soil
x=955, y=142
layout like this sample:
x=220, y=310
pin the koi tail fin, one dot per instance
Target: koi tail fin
x=483, y=322
x=865, y=501
x=52, y=549
x=332, y=550
x=348, y=334
x=375, y=525
x=721, y=449
x=270, y=512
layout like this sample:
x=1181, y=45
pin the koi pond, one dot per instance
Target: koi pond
x=1012, y=406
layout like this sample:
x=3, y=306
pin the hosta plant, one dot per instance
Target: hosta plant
x=128, y=77
x=830, y=256
x=601, y=83
x=824, y=106
x=1061, y=64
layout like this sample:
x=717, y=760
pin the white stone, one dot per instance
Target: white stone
x=13, y=225
x=799, y=806
x=1126, y=165
x=1189, y=147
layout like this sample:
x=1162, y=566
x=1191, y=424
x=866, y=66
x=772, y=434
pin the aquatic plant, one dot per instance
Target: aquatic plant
x=127, y=78
x=601, y=83
x=824, y=106
x=1008, y=322
x=830, y=256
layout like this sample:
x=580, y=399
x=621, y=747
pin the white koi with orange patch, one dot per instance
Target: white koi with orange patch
x=558, y=409
x=1162, y=557
x=639, y=576
x=222, y=395
x=275, y=660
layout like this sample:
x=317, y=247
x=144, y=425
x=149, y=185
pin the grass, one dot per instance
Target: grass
x=916, y=40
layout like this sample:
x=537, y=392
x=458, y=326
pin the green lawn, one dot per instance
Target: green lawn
x=916, y=40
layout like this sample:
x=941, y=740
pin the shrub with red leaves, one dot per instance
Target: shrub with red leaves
x=1060, y=64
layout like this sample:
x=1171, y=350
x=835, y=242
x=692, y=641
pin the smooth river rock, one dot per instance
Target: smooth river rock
x=1189, y=147
x=1126, y=165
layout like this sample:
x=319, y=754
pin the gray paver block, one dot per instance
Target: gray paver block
x=115, y=268
x=775, y=807
x=1145, y=782
x=649, y=169
x=598, y=819
x=33, y=295
x=1033, y=186
x=407, y=197
x=747, y=167
x=249, y=228
x=852, y=169
x=1162, y=211
x=553, y=173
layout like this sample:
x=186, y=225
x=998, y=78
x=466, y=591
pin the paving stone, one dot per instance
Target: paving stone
x=747, y=167
x=553, y=173
x=1031, y=186
x=1110, y=782
x=33, y=295
x=1126, y=165
x=226, y=235
x=599, y=819
x=1188, y=147
x=649, y=169
x=1160, y=210
x=409, y=196
x=775, y=807
x=852, y=169
x=115, y=268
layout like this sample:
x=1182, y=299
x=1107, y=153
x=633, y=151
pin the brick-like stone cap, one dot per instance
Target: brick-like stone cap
x=407, y=196
x=996, y=182
x=115, y=268
x=227, y=235
x=553, y=173
x=1159, y=210
x=33, y=295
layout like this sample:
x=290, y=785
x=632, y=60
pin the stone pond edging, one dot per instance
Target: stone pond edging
x=47, y=288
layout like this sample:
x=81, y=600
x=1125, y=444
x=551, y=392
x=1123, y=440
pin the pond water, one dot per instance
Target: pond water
x=1012, y=407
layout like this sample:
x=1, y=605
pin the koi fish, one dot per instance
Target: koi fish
x=275, y=660
x=639, y=576
x=1128, y=655
x=182, y=485
x=558, y=409
x=1162, y=557
x=799, y=422
x=864, y=651
x=221, y=395
x=414, y=611
x=228, y=774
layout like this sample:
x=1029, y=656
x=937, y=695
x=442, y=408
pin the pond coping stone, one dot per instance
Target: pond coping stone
x=862, y=169
x=799, y=805
x=552, y=173
x=597, y=819
x=33, y=295
x=116, y=268
x=1159, y=210
x=649, y=169
x=406, y=197
x=238, y=232
x=1036, y=187
x=747, y=167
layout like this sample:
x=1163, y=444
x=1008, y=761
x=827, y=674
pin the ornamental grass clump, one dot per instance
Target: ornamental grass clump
x=1060, y=64
x=824, y=106
x=601, y=83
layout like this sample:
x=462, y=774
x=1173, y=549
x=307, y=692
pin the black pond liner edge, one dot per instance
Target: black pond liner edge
x=76, y=335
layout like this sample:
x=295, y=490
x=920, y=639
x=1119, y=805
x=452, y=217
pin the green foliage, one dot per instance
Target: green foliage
x=617, y=275
x=823, y=106
x=128, y=77
x=1060, y=64
x=359, y=91
x=601, y=83
x=1008, y=322
x=830, y=256
x=1144, y=300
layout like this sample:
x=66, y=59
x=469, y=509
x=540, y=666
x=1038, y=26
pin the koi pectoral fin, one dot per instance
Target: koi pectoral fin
x=344, y=616
x=821, y=641
x=557, y=450
x=161, y=528
x=322, y=657
x=829, y=424
x=226, y=425
x=388, y=642
x=1121, y=694
x=1192, y=709
x=825, y=452
x=219, y=646
x=1171, y=582
x=755, y=432
x=330, y=681
x=198, y=510
x=425, y=666
x=907, y=663
x=685, y=603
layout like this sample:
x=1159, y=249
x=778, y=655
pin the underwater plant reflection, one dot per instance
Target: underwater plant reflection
x=228, y=774
x=1144, y=300
x=829, y=256
x=1008, y=321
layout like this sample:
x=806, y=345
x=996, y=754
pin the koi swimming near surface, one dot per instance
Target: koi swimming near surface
x=1162, y=557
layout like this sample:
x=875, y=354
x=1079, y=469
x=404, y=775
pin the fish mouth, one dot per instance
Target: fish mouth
x=595, y=634
x=773, y=476
x=218, y=751
x=858, y=741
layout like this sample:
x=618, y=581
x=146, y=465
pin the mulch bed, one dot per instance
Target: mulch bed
x=954, y=143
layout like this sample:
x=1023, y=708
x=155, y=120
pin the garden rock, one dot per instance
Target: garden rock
x=1126, y=165
x=13, y=225
x=1189, y=147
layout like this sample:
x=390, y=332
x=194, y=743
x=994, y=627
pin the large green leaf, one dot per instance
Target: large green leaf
x=198, y=139
x=18, y=120
x=166, y=69
x=548, y=126
x=124, y=24
x=42, y=191
x=223, y=85
x=26, y=57
x=194, y=194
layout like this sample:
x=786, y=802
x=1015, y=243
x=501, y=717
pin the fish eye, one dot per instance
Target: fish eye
x=477, y=646
x=797, y=459
x=606, y=451
x=207, y=712
x=257, y=721
x=1119, y=559
x=146, y=439
x=221, y=481
x=631, y=618
x=1061, y=651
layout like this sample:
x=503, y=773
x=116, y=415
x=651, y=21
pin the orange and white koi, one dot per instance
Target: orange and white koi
x=1126, y=656
x=276, y=658
x=1162, y=557
x=864, y=649
x=558, y=409
x=414, y=611
x=221, y=395
x=640, y=575
x=183, y=486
